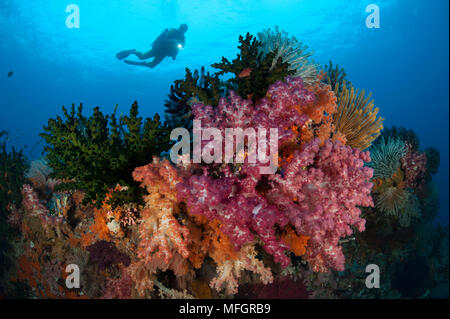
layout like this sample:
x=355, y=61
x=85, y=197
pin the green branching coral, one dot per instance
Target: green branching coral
x=290, y=51
x=13, y=165
x=95, y=153
x=198, y=86
x=263, y=71
x=12, y=169
x=386, y=155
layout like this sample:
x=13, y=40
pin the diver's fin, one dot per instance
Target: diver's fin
x=123, y=54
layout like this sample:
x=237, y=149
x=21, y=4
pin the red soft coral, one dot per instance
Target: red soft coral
x=414, y=166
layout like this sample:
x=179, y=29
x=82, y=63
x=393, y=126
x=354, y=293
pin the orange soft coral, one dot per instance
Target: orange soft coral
x=323, y=105
x=297, y=243
x=208, y=240
x=319, y=111
x=228, y=273
x=163, y=240
x=99, y=227
x=161, y=236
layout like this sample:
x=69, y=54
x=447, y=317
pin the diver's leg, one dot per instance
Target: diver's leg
x=147, y=64
x=142, y=56
x=157, y=60
x=124, y=54
x=145, y=55
x=151, y=65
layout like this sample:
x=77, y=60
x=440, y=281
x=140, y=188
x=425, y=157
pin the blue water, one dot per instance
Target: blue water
x=404, y=62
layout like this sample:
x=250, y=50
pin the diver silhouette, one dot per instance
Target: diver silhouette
x=168, y=43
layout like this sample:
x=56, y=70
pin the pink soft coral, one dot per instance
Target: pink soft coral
x=242, y=216
x=35, y=207
x=15, y=216
x=277, y=110
x=319, y=192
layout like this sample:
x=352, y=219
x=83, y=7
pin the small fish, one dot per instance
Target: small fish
x=245, y=72
x=10, y=74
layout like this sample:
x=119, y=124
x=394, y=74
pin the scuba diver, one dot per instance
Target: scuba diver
x=168, y=43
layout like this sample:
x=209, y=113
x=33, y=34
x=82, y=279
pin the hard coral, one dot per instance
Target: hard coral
x=97, y=152
x=265, y=69
x=197, y=86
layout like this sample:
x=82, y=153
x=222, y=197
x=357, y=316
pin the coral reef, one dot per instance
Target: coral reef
x=302, y=219
x=253, y=74
x=401, y=177
x=13, y=165
x=97, y=152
